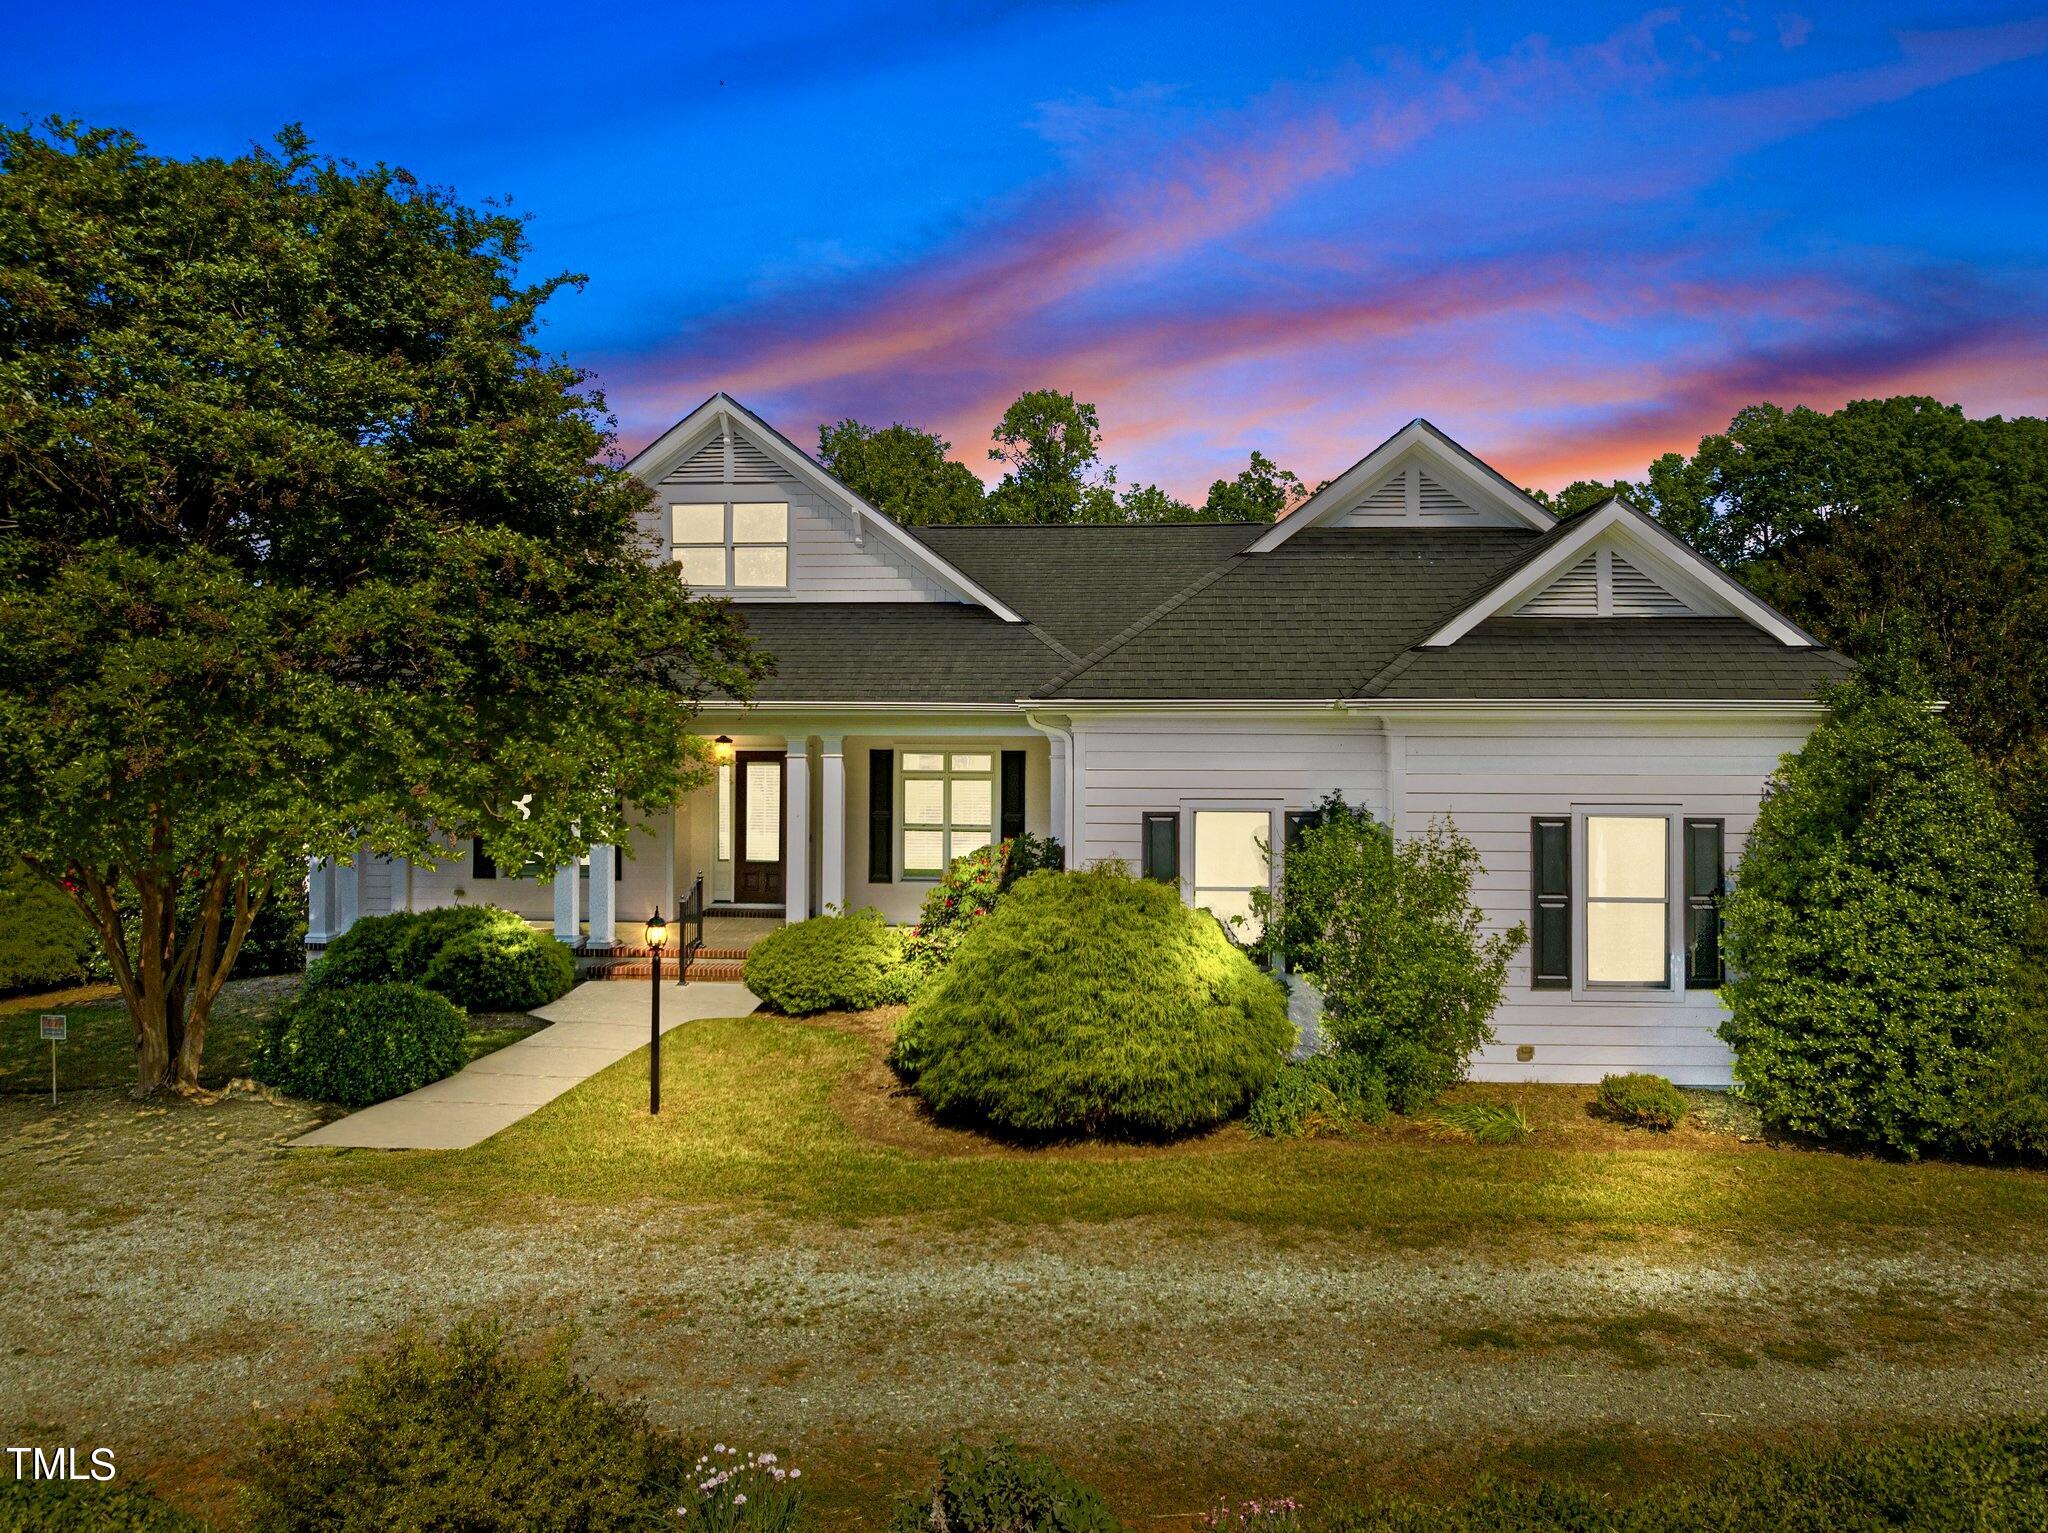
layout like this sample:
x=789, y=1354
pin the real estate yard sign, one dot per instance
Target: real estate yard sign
x=53, y=1029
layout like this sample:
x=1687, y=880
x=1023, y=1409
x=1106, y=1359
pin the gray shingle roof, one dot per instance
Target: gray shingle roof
x=1705, y=658
x=1179, y=613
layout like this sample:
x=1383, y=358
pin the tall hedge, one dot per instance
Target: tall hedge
x=1874, y=932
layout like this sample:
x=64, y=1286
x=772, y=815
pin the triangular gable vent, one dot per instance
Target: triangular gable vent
x=1411, y=498
x=1603, y=584
x=723, y=460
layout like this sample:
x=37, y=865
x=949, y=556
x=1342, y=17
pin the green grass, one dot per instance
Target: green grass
x=100, y=1048
x=763, y=1113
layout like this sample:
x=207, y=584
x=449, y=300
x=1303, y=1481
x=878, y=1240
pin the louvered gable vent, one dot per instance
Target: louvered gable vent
x=1438, y=504
x=709, y=465
x=750, y=465
x=706, y=466
x=1389, y=503
x=1411, y=498
x=1628, y=592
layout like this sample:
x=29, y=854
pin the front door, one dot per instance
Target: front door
x=758, y=816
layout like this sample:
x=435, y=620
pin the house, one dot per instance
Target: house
x=1594, y=705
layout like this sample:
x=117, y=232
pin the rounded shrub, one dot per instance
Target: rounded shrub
x=500, y=965
x=464, y=1434
x=1323, y=1094
x=374, y=951
x=362, y=1044
x=1647, y=1101
x=1874, y=932
x=1094, y=1003
x=1001, y=1488
x=850, y=962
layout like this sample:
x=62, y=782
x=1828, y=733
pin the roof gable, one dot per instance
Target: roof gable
x=1418, y=477
x=1611, y=562
x=723, y=437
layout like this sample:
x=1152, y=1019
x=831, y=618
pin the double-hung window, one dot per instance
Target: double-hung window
x=731, y=544
x=1230, y=862
x=1625, y=899
x=949, y=808
x=1628, y=900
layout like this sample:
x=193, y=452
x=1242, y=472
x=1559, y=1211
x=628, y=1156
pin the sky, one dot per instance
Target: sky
x=1574, y=237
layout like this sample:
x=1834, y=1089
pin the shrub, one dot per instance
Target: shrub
x=1323, y=1094
x=1389, y=933
x=1094, y=1003
x=64, y=1506
x=501, y=965
x=1485, y=1122
x=481, y=957
x=2007, y=1113
x=969, y=890
x=464, y=1435
x=361, y=1044
x=1648, y=1101
x=1874, y=931
x=44, y=941
x=850, y=962
x=1003, y=1489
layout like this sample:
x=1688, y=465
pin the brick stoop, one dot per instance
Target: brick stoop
x=710, y=964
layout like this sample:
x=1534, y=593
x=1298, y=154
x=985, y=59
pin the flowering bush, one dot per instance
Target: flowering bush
x=735, y=1493
x=1281, y=1516
x=969, y=890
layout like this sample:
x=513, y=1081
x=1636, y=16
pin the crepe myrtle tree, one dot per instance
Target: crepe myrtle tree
x=305, y=547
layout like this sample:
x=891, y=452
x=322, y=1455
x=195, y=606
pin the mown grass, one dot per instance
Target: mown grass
x=763, y=1113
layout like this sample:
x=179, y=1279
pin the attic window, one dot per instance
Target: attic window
x=731, y=545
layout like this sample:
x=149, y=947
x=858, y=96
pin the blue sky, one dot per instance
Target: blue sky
x=1572, y=236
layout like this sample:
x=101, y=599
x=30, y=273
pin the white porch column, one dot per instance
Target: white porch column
x=796, y=851
x=832, y=822
x=347, y=892
x=567, y=878
x=317, y=907
x=604, y=894
x=1062, y=829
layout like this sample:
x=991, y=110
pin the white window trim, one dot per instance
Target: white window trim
x=1672, y=991
x=1190, y=807
x=787, y=545
x=904, y=774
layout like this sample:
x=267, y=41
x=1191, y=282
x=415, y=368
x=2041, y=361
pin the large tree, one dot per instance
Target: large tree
x=305, y=547
x=1902, y=528
x=1263, y=491
x=903, y=471
x=1050, y=445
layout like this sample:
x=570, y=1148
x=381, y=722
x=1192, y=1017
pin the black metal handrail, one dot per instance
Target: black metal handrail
x=689, y=930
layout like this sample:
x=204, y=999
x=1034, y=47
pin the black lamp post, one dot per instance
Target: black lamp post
x=657, y=934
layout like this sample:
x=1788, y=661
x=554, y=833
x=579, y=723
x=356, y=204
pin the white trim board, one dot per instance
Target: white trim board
x=722, y=412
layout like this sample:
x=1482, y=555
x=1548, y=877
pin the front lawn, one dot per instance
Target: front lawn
x=99, y=1050
x=803, y=1118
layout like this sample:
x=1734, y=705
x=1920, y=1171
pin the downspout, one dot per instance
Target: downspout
x=1065, y=735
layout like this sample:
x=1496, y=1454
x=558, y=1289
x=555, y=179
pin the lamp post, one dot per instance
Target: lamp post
x=657, y=934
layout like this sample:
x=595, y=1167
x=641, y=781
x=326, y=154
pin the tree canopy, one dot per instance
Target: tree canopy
x=1262, y=492
x=1899, y=528
x=309, y=549
x=902, y=471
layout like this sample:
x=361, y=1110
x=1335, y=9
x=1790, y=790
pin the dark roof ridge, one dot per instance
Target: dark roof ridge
x=1131, y=631
x=1066, y=526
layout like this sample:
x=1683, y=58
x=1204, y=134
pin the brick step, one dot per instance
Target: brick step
x=721, y=971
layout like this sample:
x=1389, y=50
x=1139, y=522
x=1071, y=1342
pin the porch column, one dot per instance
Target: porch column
x=832, y=822
x=567, y=878
x=796, y=851
x=316, y=899
x=604, y=894
x=347, y=892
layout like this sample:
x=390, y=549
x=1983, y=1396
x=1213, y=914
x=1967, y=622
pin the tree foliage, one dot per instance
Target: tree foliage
x=903, y=471
x=1874, y=932
x=1899, y=528
x=311, y=548
x=1262, y=492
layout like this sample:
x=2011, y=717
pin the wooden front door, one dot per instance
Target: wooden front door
x=759, y=819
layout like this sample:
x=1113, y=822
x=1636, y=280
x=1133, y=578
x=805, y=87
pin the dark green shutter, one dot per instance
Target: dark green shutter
x=1012, y=817
x=1705, y=883
x=1295, y=824
x=1162, y=847
x=881, y=817
x=1550, y=914
x=480, y=864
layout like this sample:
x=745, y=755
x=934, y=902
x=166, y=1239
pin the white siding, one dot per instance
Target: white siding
x=1130, y=766
x=826, y=561
x=1489, y=779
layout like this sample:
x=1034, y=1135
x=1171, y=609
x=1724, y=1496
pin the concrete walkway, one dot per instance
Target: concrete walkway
x=596, y=1024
